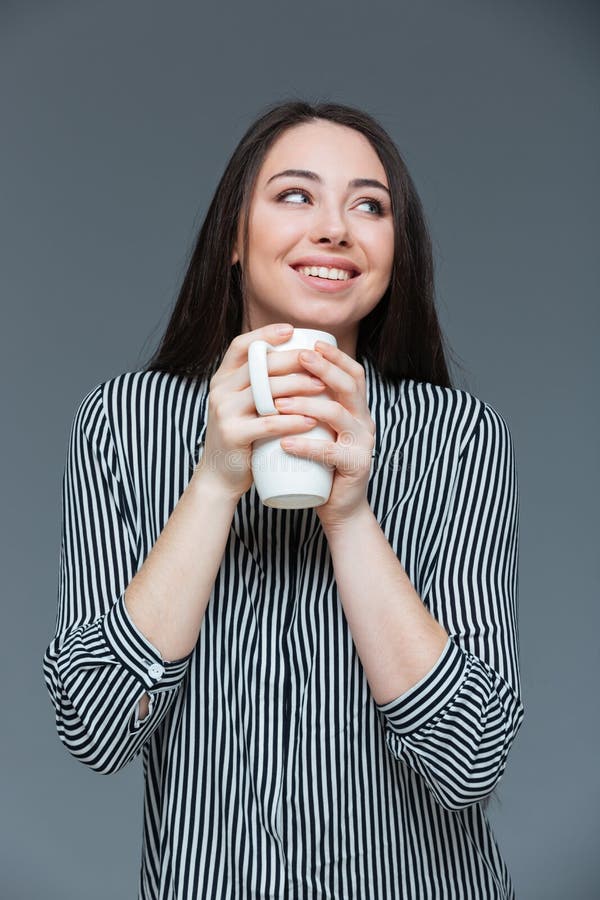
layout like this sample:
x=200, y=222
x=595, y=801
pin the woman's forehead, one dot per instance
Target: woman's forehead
x=326, y=148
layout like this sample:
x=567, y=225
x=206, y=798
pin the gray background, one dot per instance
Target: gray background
x=117, y=121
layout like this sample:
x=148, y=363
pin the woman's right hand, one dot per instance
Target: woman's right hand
x=232, y=421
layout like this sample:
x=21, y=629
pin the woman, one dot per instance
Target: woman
x=324, y=698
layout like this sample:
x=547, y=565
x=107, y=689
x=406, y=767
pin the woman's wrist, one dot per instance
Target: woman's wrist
x=205, y=480
x=361, y=516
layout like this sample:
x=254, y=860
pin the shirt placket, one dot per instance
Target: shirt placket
x=287, y=704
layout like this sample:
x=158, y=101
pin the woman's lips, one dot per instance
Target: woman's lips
x=325, y=285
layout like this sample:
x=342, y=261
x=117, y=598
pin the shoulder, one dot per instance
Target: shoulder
x=134, y=397
x=466, y=417
x=459, y=414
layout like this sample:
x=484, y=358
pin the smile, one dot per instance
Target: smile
x=325, y=283
x=325, y=272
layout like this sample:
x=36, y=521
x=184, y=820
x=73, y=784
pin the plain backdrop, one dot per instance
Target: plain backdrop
x=117, y=121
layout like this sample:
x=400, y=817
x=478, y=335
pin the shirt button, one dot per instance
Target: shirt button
x=156, y=671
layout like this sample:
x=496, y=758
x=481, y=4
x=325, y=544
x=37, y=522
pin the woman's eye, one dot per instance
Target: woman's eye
x=376, y=204
x=287, y=194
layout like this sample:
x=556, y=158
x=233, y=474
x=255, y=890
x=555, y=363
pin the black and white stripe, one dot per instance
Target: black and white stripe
x=269, y=769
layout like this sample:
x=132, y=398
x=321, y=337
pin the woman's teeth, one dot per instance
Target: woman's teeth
x=323, y=272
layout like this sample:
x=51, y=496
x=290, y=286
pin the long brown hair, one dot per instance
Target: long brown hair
x=401, y=335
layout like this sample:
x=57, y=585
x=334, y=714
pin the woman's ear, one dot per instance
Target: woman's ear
x=238, y=241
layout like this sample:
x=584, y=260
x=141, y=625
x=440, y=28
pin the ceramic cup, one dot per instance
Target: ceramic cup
x=283, y=480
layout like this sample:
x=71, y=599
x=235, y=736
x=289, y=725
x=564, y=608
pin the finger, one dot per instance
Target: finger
x=325, y=410
x=322, y=451
x=330, y=453
x=283, y=362
x=274, y=425
x=293, y=384
x=350, y=386
x=280, y=363
x=238, y=436
x=232, y=402
x=341, y=359
x=350, y=433
x=239, y=379
x=237, y=352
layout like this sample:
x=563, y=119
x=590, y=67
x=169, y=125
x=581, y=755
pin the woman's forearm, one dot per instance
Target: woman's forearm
x=167, y=598
x=397, y=640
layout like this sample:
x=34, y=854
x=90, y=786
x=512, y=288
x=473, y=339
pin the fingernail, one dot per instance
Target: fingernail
x=283, y=329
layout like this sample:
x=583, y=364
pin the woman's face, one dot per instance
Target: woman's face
x=318, y=219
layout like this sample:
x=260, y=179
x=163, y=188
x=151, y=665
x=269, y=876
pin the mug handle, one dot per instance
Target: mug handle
x=259, y=378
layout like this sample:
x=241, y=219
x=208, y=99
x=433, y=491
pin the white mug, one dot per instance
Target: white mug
x=283, y=480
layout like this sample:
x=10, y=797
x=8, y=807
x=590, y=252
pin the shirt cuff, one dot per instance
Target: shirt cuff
x=425, y=699
x=137, y=723
x=137, y=654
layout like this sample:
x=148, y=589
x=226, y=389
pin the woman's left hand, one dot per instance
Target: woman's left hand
x=348, y=415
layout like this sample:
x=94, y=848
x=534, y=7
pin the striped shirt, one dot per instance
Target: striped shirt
x=269, y=770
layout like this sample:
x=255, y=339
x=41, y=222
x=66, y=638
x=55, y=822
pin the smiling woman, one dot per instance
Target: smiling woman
x=307, y=239
x=325, y=698
x=303, y=166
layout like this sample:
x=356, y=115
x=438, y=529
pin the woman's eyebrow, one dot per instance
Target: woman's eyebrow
x=306, y=173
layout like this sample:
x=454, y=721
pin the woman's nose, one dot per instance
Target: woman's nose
x=330, y=224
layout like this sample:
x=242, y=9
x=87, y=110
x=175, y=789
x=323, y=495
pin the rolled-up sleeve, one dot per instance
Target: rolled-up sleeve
x=99, y=665
x=455, y=726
